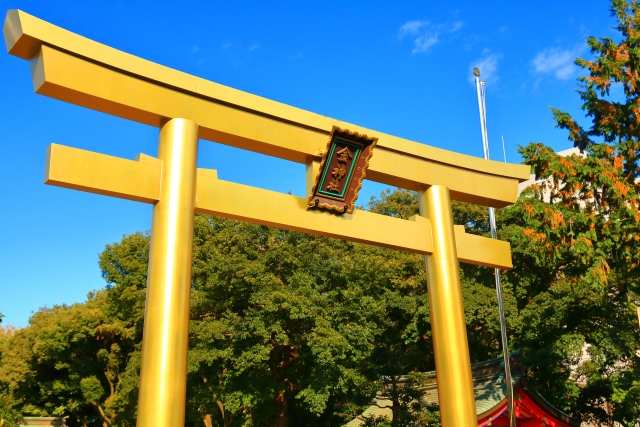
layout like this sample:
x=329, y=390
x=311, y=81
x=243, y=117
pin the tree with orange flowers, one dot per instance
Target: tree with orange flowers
x=577, y=255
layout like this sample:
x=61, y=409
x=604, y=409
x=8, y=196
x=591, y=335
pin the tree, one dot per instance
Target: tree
x=481, y=313
x=281, y=322
x=10, y=418
x=578, y=257
x=287, y=326
x=9, y=415
x=294, y=316
x=82, y=360
x=406, y=394
x=69, y=361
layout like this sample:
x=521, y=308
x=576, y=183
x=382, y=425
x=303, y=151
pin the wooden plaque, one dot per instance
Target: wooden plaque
x=342, y=170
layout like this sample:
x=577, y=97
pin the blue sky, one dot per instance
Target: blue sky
x=399, y=67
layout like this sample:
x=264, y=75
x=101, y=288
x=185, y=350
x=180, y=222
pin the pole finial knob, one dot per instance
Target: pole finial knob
x=476, y=72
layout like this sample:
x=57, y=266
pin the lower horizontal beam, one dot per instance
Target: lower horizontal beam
x=140, y=180
x=230, y=200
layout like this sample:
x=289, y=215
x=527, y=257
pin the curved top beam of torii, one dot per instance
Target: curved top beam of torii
x=68, y=67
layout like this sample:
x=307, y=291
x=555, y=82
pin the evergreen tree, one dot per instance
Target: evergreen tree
x=578, y=258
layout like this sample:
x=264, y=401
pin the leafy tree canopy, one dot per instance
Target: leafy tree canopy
x=578, y=257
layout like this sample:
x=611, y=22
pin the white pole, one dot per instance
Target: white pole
x=504, y=153
x=480, y=85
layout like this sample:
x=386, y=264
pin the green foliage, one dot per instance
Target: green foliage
x=284, y=326
x=69, y=361
x=577, y=258
x=406, y=406
x=293, y=329
x=9, y=416
x=281, y=325
x=284, y=320
x=91, y=388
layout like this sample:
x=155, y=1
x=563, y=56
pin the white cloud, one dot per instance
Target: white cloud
x=488, y=66
x=412, y=28
x=295, y=56
x=456, y=26
x=254, y=47
x=556, y=61
x=194, y=49
x=425, y=34
x=424, y=42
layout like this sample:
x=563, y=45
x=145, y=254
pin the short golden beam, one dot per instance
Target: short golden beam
x=140, y=180
x=478, y=250
x=67, y=66
x=102, y=174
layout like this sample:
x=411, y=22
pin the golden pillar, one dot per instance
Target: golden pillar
x=453, y=367
x=163, y=369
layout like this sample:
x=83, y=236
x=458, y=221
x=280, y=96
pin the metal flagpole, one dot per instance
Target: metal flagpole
x=492, y=222
x=504, y=153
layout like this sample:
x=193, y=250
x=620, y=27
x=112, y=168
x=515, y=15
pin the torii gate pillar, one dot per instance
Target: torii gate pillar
x=451, y=351
x=163, y=380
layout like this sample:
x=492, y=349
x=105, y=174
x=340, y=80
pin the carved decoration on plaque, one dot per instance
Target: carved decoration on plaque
x=343, y=167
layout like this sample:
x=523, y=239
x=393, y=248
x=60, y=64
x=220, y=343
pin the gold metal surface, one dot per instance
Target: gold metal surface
x=311, y=172
x=465, y=184
x=75, y=69
x=139, y=180
x=98, y=173
x=163, y=368
x=245, y=203
x=478, y=250
x=67, y=66
x=451, y=350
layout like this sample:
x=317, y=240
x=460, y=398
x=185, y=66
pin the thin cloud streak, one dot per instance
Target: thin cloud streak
x=423, y=43
x=488, y=66
x=295, y=56
x=411, y=28
x=556, y=61
x=425, y=34
x=455, y=27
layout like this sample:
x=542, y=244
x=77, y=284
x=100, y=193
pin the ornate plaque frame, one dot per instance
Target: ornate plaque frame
x=343, y=167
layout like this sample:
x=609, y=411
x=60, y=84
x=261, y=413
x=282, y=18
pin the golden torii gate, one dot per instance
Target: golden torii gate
x=74, y=69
